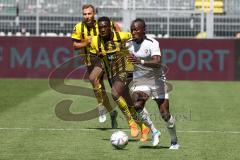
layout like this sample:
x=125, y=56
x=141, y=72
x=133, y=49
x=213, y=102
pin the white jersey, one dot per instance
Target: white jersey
x=145, y=50
x=149, y=80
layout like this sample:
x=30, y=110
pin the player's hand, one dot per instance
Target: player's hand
x=86, y=42
x=89, y=39
x=132, y=58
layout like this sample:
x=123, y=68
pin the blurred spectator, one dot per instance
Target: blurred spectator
x=23, y=31
x=238, y=35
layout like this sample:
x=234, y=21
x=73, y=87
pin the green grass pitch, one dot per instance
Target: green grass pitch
x=207, y=114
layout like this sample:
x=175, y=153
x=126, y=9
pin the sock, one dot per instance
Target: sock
x=136, y=118
x=172, y=129
x=102, y=97
x=145, y=118
x=125, y=110
x=133, y=113
x=98, y=93
x=106, y=102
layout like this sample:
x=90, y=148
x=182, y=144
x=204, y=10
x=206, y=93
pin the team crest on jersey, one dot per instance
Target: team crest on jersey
x=110, y=46
x=147, y=51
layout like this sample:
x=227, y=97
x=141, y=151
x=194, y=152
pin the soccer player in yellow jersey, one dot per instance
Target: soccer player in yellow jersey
x=108, y=46
x=82, y=36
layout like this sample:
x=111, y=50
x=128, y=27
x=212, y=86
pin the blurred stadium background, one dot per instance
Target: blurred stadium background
x=165, y=18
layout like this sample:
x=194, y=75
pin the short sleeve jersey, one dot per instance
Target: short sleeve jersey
x=81, y=32
x=114, y=61
x=145, y=50
x=97, y=45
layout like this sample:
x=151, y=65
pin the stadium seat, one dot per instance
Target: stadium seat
x=9, y=34
x=217, y=8
x=159, y=35
x=68, y=34
x=51, y=34
x=43, y=34
x=18, y=34
x=27, y=34
x=166, y=36
x=61, y=35
x=2, y=34
x=151, y=35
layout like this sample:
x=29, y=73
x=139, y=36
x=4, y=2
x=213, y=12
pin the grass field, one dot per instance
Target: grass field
x=207, y=116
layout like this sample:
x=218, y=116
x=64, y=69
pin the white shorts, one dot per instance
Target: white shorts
x=155, y=91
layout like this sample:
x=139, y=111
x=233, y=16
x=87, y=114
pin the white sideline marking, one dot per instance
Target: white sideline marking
x=94, y=129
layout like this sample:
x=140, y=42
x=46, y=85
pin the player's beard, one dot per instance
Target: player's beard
x=89, y=23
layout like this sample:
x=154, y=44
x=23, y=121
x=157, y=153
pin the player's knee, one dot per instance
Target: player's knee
x=138, y=105
x=115, y=94
x=91, y=79
x=139, y=96
x=165, y=115
x=94, y=81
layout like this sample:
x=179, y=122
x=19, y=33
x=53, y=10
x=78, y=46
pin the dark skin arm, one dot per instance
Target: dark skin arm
x=154, y=62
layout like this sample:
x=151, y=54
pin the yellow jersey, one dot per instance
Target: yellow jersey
x=81, y=33
x=113, y=53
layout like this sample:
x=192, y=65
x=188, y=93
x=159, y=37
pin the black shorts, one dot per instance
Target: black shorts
x=125, y=77
x=92, y=61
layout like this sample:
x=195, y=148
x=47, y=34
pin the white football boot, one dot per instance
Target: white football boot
x=174, y=146
x=155, y=138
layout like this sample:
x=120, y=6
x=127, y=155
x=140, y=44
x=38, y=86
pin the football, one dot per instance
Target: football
x=119, y=139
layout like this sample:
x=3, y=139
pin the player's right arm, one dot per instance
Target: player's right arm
x=78, y=44
x=78, y=41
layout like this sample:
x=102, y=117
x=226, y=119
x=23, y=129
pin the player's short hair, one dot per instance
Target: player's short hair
x=85, y=6
x=104, y=19
x=141, y=21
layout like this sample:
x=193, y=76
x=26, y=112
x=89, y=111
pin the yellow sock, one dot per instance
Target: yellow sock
x=132, y=110
x=124, y=108
x=98, y=93
x=102, y=97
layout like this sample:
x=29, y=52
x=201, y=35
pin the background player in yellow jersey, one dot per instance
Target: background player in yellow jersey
x=108, y=46
x=82, y=36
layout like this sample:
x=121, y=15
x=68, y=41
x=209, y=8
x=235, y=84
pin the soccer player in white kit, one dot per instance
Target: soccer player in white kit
x=149, y=80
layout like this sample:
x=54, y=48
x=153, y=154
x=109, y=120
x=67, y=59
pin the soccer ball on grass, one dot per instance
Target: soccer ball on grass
x=119, y=139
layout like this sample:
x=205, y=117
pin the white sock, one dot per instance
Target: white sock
x=145, y=118
x=172, y=129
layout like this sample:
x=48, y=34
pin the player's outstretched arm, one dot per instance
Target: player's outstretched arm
x=116, y=27
x=78, y=44
x=154, y=62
